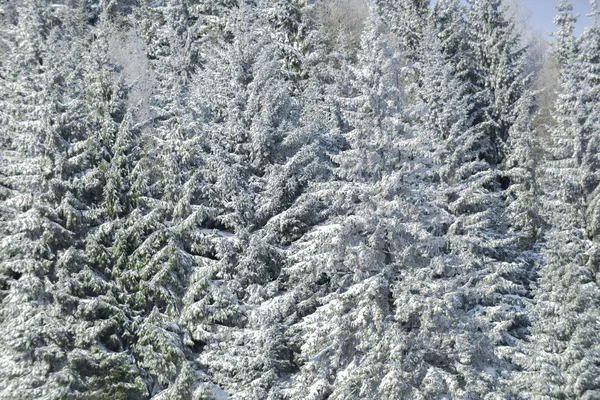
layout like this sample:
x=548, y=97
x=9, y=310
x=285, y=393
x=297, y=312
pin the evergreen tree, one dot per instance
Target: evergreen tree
x=498, y=67
x=264, y=161
x=478, y=194
x=588, y=119
x=74, y=350
x=564, y=350
x=25, y=257
x=406, y=19
x=448, y=16
x=341, y=270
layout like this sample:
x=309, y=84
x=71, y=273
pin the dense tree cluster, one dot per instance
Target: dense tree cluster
x=294, y=199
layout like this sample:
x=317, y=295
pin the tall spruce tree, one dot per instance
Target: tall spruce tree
x=73, y=349
x=25, y=258
x=561, y=360
x=264, y=161
x=342, y=271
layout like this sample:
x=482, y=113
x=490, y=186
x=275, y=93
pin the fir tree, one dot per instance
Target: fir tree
x=265, y=161
x=563, y=350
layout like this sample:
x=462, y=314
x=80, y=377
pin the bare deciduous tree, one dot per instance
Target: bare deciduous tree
x=341, y=21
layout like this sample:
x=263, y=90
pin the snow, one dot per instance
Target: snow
x=128, y=51
x=211, y=232
x=219, y=394
x=329, y=228
x=363, y=238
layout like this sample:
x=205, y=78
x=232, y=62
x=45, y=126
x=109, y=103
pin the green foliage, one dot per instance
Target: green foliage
x=294, y=200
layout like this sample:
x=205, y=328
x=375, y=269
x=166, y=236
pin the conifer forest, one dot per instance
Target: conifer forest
x=298, y=200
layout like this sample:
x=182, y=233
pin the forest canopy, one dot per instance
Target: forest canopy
x=297, y=199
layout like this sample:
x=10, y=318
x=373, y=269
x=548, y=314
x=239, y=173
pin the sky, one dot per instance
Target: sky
x=542, y=14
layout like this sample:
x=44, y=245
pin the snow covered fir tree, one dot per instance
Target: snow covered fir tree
x=297, y=200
